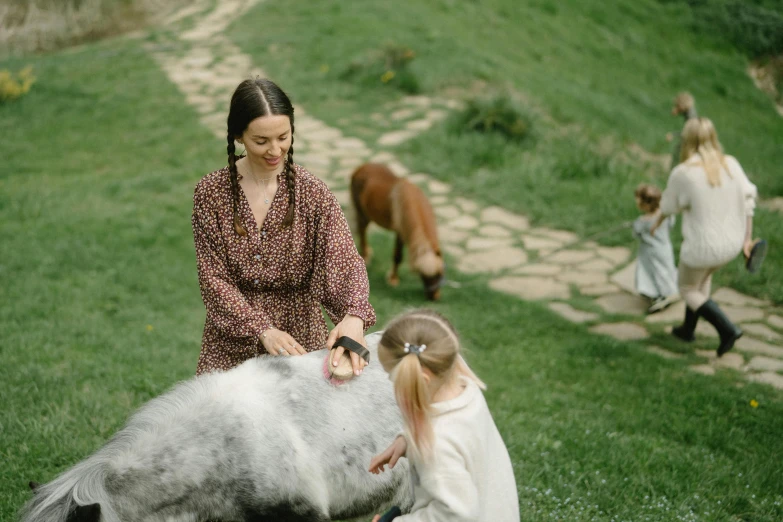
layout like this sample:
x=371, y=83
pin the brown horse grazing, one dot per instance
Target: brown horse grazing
x=398, y=205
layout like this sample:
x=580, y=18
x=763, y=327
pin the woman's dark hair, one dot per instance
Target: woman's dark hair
x=253, y=99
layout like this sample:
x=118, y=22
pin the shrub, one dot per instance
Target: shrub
x=389, y=65
x=497, y=115
x=13, y=86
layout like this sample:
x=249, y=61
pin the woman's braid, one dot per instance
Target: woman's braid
x=234, y=174
x=290, y=183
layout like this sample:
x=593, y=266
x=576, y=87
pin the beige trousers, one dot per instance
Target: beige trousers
x=695, y=284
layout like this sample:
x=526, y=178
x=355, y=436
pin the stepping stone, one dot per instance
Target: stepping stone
x=343, y=197
x=350, y=163
x=674, y=314
x=582, y=278
x=313, y=160
x=383, y=157
x=572, y=314
x=393, y=138
x=621, y=331
x=453, y=250
x=776, y=321
x=666, y=354
x=626, y=277
x=464, y=222
x=467, y=205
x=731, y=360
x=437, y=187
x=485, y=243
x=451, y=235
x=563, y=236
x=773, y=204
x=324, y=134
x=732, y=297
x=623, y=304
x=741, y=314
x=494, y=231
x=419, y=125
x=537, y=243
x=436, y=115
x=402, y=114
x=420, y=180
x=761, y=331
x=773, y=379
x=539, y=269
x=447, y=212
x=596, y=290
x=749, y=344
x=531, y=288
x=706, y=329
x=398, y=168
x=760, y=363
x=506, y=218
x=417, y=101
x=616, y=255
x=438, y=200
x=491, y=260
x=597, y=265
x=704, y=369
x=350, y=143
x=570, y=257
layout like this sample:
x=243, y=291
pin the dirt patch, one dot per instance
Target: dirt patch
x=768, y=76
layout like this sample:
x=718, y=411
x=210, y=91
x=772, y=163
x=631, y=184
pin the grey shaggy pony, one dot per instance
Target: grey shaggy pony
x=270, y=440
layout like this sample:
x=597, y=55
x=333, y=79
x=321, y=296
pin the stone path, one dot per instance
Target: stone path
x=582, y=281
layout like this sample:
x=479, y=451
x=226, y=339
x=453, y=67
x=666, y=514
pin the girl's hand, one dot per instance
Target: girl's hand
x=653, y=228
x=389, y=456
x=376, y=518
x=353, y=327
x=278, y=342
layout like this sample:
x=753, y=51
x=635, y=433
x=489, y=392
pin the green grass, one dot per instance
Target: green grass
x=100, y=160
x=606, y=72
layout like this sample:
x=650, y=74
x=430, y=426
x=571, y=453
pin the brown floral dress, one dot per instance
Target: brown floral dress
x=274, y=277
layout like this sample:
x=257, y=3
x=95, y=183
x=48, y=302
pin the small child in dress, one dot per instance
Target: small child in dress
x=656, y=273
x=460, y=467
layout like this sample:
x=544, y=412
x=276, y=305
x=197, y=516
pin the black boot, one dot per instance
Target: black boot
x=728, y=331
x=685, y=331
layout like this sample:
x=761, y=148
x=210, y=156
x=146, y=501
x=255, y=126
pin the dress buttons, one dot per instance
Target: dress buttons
x=255, y=281
x=263, y=233
x=257, y=257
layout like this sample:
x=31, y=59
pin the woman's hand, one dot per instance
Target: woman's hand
x=353, y=327
x=278, y=342
x=747, y=247
x=389, y=456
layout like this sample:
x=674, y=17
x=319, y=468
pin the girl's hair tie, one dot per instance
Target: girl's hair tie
x=414, y=348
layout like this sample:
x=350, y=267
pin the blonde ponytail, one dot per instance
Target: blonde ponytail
x=413, y=397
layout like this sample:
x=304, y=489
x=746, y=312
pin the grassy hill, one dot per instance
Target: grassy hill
x=602, y=76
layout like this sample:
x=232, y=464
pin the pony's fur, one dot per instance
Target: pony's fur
x=398, y=205
x=270, y=440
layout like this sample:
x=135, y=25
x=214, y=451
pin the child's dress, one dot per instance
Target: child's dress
x=656, y=273
x=470, y=476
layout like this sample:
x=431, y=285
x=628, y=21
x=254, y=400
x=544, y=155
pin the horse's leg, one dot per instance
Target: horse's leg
x=393, y=278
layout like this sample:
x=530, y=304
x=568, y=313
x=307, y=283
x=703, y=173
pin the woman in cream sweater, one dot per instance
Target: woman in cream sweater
x=716, y=201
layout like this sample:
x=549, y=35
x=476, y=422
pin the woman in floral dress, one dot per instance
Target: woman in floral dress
x=273, y=245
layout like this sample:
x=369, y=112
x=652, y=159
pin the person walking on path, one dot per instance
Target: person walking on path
x=717, y=202
x=656, y=273
x=684, y=106
x=273, y=245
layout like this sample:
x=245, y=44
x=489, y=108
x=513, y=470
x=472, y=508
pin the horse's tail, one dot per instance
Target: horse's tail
x=82, y=485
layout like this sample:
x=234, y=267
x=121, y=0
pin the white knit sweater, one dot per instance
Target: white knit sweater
x=714, y=219
x=470, y=477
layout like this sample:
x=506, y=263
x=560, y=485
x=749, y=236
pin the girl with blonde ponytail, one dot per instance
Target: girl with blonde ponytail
x=461, y=467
